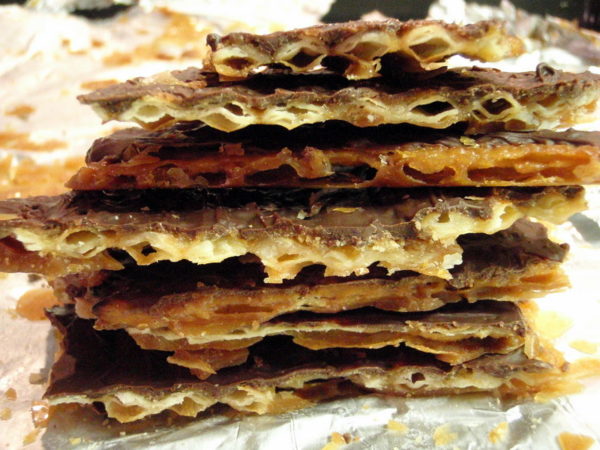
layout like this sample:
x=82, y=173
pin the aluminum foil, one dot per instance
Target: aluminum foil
x=45, y=58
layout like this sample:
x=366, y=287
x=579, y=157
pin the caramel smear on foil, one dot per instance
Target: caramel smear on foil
x=498, y=434
x=182, y=32
x=14, y=140
x=21, y=111
x=26, y=178
x=584, y=346
x=570, y=441
x=32, y=303
x=443, y=436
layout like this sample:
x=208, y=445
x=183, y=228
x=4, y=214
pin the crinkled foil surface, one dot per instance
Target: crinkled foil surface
x=45, y=60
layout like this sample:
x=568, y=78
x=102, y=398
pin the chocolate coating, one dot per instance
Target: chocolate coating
x=193, y=139
x=195, y=85
x=332, y=34
x=336, y=217
x=484, y=256
x=485, y=99
x=337, y=155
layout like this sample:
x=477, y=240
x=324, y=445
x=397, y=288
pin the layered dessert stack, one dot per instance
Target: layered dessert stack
x=316, y=213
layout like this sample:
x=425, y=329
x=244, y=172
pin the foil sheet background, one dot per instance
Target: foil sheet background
x=37, y=67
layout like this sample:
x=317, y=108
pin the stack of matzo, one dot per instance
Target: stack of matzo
x=316, y=213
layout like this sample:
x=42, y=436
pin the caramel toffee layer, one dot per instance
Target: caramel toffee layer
x=109, y=368
x=485, y=99
x=232, y=297
x=455, y=334
x=345, y=230
x=362, y=49
x=336, y=155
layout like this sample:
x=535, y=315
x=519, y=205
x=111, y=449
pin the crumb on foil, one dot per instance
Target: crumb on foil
x=443, y=436
x=338, y=440
x=21, y=111
x=11, y=394
x=5, y=414
x=498, y=433
x=397, y=427
x=570, y=441
x=37, y=378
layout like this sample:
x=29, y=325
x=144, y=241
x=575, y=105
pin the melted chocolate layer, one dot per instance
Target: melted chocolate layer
x=331, y=34
x=486, y=99
x=198, y=84
x=336, y=155
x=336, y=217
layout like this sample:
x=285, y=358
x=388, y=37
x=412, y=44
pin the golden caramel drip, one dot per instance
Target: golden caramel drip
x=33, y=303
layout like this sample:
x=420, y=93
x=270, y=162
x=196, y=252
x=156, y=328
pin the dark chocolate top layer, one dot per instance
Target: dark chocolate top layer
x=332, y=33
x=194, y=85
x=336, y=216
x=96, y=362
x=361, y=49
x=336, y=155
x=510, y=249
x=190, y=140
